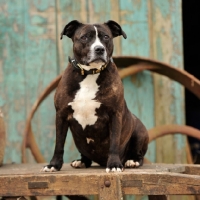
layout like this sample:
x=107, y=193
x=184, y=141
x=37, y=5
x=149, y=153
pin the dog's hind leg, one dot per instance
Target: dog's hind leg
x=84, y=162
x=137, y=147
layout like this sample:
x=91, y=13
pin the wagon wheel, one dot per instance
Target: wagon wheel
x=130, y=66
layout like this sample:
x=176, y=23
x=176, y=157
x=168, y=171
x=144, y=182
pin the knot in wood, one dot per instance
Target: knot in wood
x=107, y=183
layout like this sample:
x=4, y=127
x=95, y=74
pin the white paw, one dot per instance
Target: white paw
x=113, y=170
x=46, y=169
x=78, y=164
x=137, y=164
x=131, y=164
x=107, y=170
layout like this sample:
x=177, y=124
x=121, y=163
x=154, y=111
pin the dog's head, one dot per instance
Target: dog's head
x=92, y=43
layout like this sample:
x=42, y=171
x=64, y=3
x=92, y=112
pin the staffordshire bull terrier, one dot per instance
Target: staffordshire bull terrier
x=90, y=101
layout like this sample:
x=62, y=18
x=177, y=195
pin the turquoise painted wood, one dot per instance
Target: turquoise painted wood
x=12, y=86
x=31, y=55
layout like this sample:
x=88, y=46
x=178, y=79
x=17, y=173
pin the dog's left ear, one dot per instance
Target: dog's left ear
x=115, y=29
x=70, y=29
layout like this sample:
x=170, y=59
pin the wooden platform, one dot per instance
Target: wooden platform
x=150, y=179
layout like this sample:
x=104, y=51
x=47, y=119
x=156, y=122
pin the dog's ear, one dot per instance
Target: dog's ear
x=70, y=29
x=115, y=29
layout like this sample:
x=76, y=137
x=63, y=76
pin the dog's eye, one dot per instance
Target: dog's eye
x=106, y=37
x=84, y=38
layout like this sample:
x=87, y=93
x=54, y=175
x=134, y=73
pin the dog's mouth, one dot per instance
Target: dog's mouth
x=97, y=60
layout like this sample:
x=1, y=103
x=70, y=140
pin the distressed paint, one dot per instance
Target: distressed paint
x=138, y=89
x=67, y=11
x=40, y=58
x=12, y=87
x=169, y=96
x=32, y=54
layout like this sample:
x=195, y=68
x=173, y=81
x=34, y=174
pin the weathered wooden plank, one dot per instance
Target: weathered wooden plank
x=110, y=188
x=100, y=14
x=12, y=70
x=29, y=64
x=139, y=88
x=41, y=68
x=67, y=11
x=22, y=169
x=56, y=185
x=192, y=169
x=169, y=96
x=163, y=184
x=27, y=180
x=166, y=31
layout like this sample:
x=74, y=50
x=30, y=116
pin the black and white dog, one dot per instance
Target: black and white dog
x=90, y=101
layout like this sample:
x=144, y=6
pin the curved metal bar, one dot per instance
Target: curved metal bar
x=163, y=130
x=134, y=69
x=179, y=75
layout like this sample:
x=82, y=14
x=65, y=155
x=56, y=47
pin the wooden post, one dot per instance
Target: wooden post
x=110, y=188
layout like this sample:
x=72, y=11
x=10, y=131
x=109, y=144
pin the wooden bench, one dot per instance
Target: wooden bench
x=155, y=180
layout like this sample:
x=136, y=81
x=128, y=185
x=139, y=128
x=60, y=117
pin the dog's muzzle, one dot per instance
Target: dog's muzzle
x=97, y=54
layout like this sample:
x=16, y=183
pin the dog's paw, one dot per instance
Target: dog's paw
x=78, y=164
x=114, y=169
x=49, y=168
x=131, y=164
x=114, y=165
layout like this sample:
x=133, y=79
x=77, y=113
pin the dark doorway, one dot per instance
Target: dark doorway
x=191, y=45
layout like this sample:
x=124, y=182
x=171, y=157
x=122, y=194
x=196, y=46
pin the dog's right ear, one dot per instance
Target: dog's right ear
x=70, y=29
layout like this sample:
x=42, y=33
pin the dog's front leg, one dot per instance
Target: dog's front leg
x=61, y=133
x=114, y=163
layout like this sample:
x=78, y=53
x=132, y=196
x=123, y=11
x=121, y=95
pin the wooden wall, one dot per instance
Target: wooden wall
x=31, y=55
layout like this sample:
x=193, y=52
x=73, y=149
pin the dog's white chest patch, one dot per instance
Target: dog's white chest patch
x=84, y=105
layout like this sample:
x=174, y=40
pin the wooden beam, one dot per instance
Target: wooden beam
x=157, y=179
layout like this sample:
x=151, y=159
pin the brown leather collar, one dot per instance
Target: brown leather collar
x=78, y=66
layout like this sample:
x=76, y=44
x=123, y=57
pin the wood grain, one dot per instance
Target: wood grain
x=169, y=96
x=27, y=180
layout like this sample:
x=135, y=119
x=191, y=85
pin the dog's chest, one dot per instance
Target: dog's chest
x=84, y=104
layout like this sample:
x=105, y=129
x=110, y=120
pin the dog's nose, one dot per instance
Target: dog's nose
x=99, y=49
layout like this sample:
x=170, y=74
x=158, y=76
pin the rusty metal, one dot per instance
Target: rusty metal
x=179, y=75
x=107, y=183
x=163, y=130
